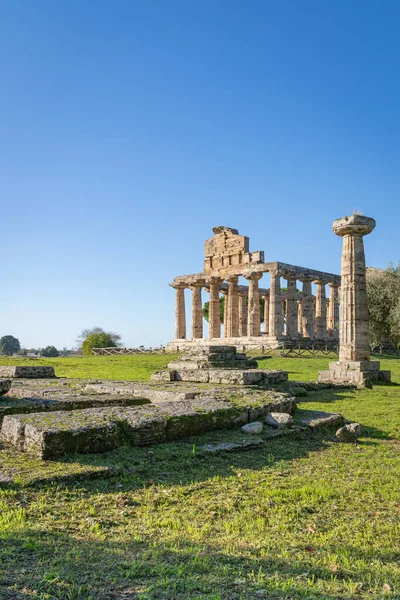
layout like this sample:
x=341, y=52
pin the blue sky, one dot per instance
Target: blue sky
x=129, y=129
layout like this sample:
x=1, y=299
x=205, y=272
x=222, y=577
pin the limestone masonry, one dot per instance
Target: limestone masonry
x=354, y=363
x=288, y=315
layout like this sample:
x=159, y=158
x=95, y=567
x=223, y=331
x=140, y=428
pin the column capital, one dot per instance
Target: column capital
x=232, y=278
x=199, y=283
x=333, y=285
x=320, y=281
x=179, y=286
x=353, y=225
x=253, y=275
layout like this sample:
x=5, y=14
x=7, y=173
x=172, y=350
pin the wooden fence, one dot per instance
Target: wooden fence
x=119, y=351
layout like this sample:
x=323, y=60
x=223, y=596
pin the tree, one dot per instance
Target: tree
x=9, y=345
x=97, y=340
x=116, y=338
x=49, y=352
x=383, y=292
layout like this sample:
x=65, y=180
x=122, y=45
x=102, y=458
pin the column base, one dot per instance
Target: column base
x=362, y=373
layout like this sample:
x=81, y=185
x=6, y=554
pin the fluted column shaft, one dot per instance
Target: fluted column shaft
x=214, y=319
x=300, y=317
x=253, y=315
x=226, y=312
x=197, y=310
x=333, y=312
x=320, y=311
x=266, y=315
x=308, y=310
x=180, y=313
x=291, y=310
x=233, y=307
x=354, y=336
x=275, y=306
x=242, y=315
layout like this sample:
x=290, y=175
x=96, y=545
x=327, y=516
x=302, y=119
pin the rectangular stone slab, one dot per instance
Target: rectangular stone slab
x=49, y=435
x=37, y=372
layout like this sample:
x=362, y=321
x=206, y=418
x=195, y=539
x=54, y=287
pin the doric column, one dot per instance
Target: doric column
x=291, y=309
x=308, y=309
x=180, y=312
x=275, y=306
x=266, y=315
x=197, y=309
x=300, y=317
x=320, y=311
x=233, y=306
x=214, y=319
x=353, y=324
x=226, y=311
x=242, y=314
x=333, y=311
x=253, y=315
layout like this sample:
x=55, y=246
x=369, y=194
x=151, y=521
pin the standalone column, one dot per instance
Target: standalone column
x=320, y=311
x=214, y=319
x=180, y=313
x=226, y=311
x=233, y=307
x=242, y=315
x=354, y=363
x=275, y=306
x=308, y=310
x=253, y=315
x=197, y=310
x=291, y=309
x=333, y=312
x=266, y=315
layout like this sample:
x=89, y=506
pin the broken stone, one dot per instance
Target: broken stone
x=253, y=428
x=298, y=392
x=279, y=420
x=232, y=447
x=5, y=386
x=349, y=433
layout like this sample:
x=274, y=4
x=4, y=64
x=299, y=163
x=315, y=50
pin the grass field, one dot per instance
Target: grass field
x=302, y=519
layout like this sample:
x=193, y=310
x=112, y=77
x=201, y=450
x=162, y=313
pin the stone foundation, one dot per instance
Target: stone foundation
x=360, y=373
x=218, y=364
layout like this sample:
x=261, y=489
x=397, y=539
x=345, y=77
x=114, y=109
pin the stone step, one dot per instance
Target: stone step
x=52, y=434
x=26, y=372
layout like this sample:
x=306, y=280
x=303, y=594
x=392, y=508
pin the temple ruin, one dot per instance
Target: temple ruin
x=290, y=314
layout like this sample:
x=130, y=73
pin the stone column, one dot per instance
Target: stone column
x=214, y=319
x=291, y=309
x=197, y=309
x=275, y=306
x=266, y=315
x=320, y=311
x=333, y=312
x=233, y=307
x=308, y=309
x=253, y=315
x=300, y=317
x=226, y=311
x=242, y=314
x=354, y=363
x=354, y=337
x=180, y=312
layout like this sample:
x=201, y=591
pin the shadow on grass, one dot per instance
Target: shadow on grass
x=57, y=565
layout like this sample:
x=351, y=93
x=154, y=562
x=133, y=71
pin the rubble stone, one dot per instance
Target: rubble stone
x=279, y=420
x=253, y=428
x=27, y=372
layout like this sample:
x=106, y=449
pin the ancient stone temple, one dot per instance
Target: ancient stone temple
x=292, y=311
x=354, y=365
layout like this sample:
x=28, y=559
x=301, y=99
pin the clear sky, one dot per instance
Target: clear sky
x=128, y=129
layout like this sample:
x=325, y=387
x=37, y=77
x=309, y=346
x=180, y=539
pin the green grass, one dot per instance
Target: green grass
x=300, y=519
x=124, y=368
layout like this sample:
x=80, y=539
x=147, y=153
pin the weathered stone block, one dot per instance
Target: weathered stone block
x=36, y=372
x=5, y=386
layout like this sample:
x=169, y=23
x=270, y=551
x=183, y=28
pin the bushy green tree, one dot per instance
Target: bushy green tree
x=97, y=340
x=383, y=291
x=9, y=345
x=49, y=351
x=116, y=338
